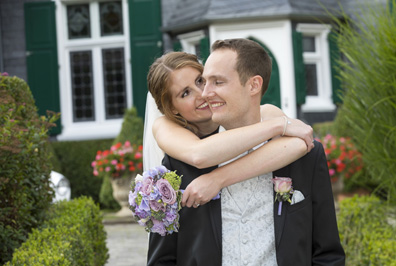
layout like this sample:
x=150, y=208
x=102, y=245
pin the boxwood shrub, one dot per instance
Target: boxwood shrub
x=25, y=192
x=367, y=230
x=73, y=235
x=75, y=159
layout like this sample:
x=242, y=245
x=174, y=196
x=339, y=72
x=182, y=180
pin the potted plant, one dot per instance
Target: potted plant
x=121, y=164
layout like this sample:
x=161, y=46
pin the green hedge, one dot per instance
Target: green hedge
x=75, y=159
x=73, y=235
x=25, y=192
x=367, y=230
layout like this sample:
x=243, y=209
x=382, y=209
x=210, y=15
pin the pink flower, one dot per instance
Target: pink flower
x=167, y=192
x=331, y=172
x=114, y=162
x=282, y=184
x=108, y=168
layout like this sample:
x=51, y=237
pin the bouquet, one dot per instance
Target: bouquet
x=155, y=200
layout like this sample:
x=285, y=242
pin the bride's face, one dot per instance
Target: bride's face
x=186, y=90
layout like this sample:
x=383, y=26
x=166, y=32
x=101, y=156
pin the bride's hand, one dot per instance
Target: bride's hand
x=200, y=191
x=297, y=128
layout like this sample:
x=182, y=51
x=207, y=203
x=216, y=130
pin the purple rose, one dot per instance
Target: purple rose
x=147, y=186
x=156, y=206
x=158, y=227
x=166, y=190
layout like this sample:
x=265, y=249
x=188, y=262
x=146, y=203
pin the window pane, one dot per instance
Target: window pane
x=309, y=44
x=78, y=21
x=111, y=18
x=82, y=86
x=114, y=82
x=311, y=79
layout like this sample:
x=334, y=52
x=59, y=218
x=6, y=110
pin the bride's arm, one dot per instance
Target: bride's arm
x=184, y=145
x=273, y=155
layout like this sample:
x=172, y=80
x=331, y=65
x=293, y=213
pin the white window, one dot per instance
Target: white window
x=191, y=42
x=316, y=58
x=93, y=50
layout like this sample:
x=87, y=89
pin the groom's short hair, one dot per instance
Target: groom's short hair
x=252, y=59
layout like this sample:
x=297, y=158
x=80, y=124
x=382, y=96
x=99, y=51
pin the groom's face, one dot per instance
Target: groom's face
x=228, y=98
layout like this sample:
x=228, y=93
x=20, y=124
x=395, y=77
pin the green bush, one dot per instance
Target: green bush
x=366, y=231
x=73, y=235
x=368, y=114
x=25, y=192
x=75, y=159
x=132, y=130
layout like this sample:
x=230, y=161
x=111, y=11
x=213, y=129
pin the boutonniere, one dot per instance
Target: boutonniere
x=284, y=189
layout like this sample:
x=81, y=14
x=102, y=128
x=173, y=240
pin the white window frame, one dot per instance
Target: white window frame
x=100, y=128
x=321, y=58
x=190, y=40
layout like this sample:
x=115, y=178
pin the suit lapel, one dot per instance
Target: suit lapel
x=279, y=220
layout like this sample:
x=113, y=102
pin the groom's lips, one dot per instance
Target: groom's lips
x=216, y=104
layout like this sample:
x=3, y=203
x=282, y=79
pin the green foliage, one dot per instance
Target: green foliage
x=73, y=235
x=132, y=130
x=366, y=231
x=323, y=128
x=25, y=192
x=75, y=158
x=106, y=198
x=368, y=74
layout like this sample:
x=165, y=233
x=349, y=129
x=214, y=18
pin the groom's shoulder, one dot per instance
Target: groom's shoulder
x=314, y=155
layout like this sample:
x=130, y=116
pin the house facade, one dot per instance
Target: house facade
x=88, y=59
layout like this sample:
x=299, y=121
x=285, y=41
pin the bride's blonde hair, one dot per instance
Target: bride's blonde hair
x=159, y=82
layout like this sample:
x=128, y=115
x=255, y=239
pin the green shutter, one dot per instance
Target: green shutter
x=205, y=49
x=146, y=45
x=299, y=68
x=177, y=47
x=334, y=59
x=42, y=59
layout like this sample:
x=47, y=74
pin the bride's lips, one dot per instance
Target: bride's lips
x=204, y=105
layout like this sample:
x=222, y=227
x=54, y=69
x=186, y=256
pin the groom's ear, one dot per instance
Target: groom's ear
x=256, y=82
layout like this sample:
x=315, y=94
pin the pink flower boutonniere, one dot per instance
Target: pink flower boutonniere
x=284, y=189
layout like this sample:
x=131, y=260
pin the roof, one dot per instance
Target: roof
x=187, y=13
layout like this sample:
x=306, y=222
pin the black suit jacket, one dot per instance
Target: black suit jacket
x=305, y=233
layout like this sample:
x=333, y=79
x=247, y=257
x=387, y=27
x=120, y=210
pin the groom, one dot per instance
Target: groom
x=237, y=74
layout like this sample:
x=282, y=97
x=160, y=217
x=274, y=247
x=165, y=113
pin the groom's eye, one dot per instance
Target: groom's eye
x=200, y=82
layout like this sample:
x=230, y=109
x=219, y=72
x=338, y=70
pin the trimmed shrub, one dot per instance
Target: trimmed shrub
x=132, y=130
x=73, y=235
x=368, y=114
x=366, y=231
x=75, y=159
x=25, y=192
